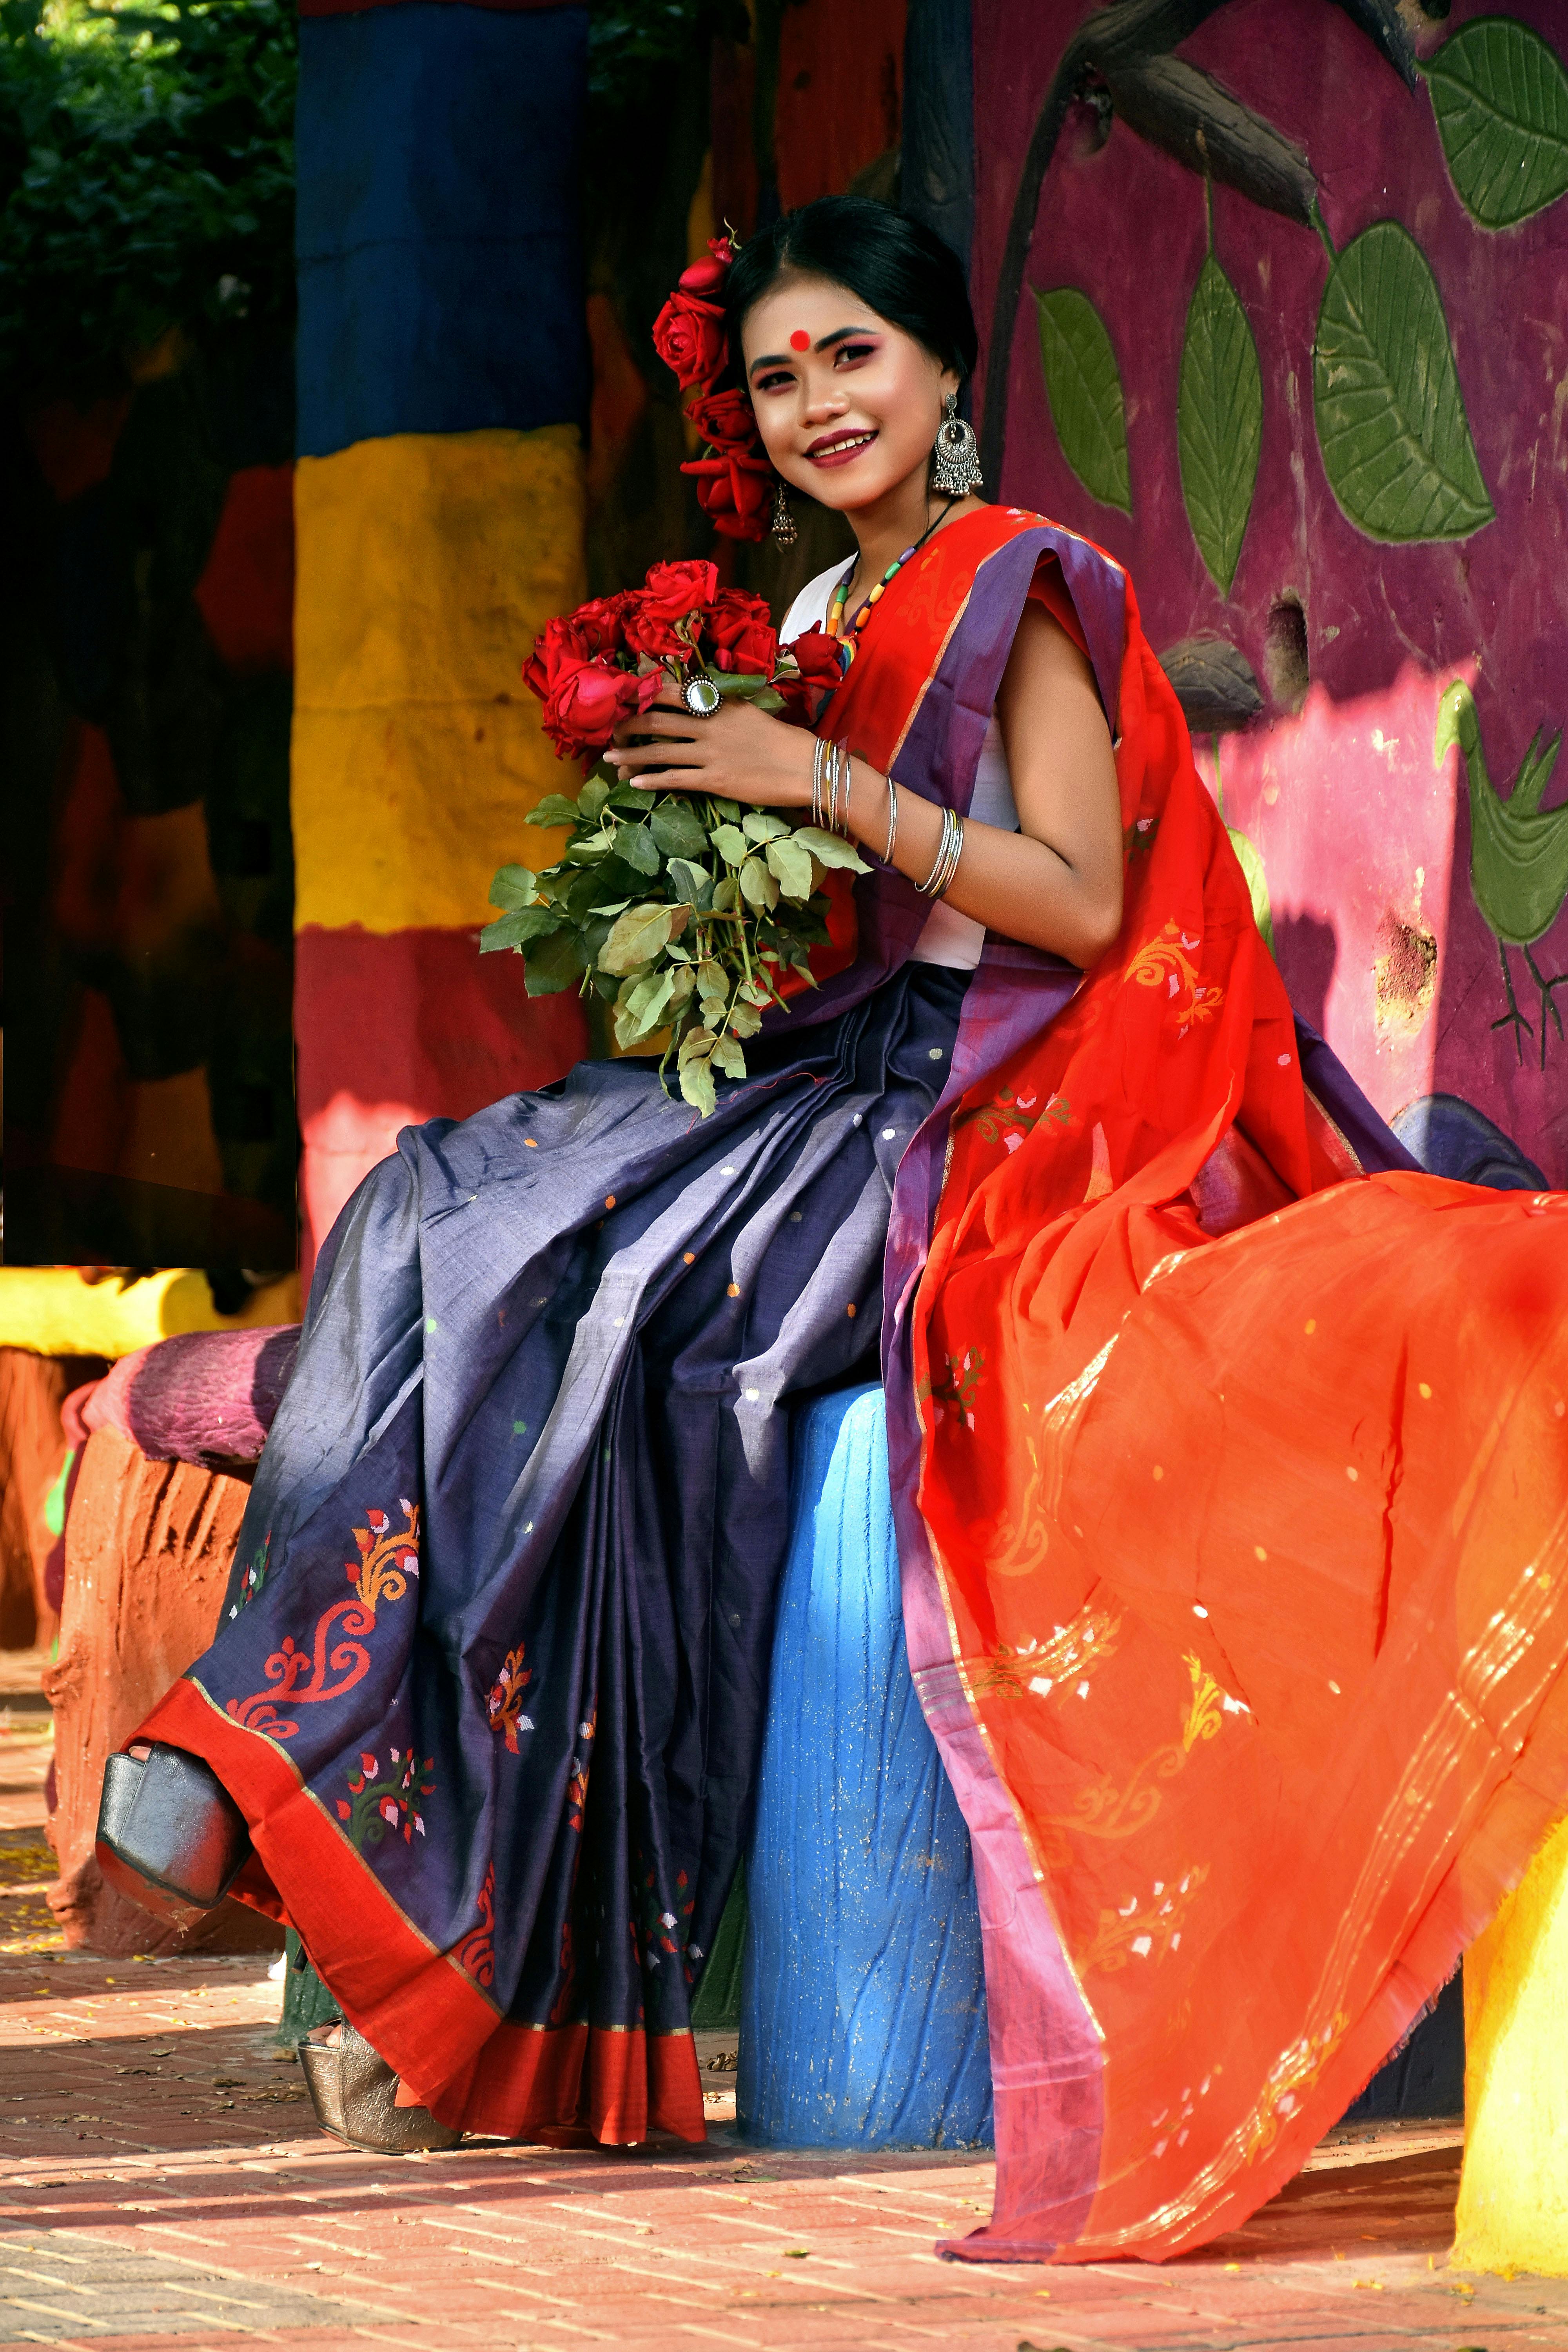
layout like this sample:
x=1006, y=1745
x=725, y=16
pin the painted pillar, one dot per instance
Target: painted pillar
x=1513, y=2193
x=443, y=383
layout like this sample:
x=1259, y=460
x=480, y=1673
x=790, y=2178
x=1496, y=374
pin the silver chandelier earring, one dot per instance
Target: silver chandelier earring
x=955, y=460
x=783, y=522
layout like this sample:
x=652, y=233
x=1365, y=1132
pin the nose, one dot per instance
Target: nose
x=821, y=401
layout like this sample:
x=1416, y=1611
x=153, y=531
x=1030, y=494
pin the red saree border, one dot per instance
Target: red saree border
x=434, y=2026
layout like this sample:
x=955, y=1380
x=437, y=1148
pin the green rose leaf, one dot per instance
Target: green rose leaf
x=728, y=811
x=553, y=963
x=726, y=895
x=516, y=928
x=1083, y=387
x=791, y=865
x=637, y=936
x=588, y=849
x=514, y=886
x=1501, y=98
x=745, y=1020
x=712, y=985
x=759, y=826
x=728, y=1056
x=691, y=883
x=830, y=850
x=1392, y=426
x=633, y=796
x=697, y=1086
x=593, y=795
x=1219, y=422
x=732, y=844
x=635, y=844
x=758, y=886
x=554, y=809
x=677, y=831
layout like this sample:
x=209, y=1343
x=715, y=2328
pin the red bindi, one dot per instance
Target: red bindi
x=800, y=340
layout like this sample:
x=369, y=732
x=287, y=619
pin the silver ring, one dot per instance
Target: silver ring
x=701, y=696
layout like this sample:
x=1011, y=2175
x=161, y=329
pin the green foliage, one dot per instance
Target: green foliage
x=1084, y=389
x=1500, y=97
x=1219, y=422
x=146, y=179
x=683, y=913
x=1392, y=426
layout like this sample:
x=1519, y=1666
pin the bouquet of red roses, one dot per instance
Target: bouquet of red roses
x=682, y=910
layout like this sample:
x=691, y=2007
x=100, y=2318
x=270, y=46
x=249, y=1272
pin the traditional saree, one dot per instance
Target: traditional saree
x=1234, y=1607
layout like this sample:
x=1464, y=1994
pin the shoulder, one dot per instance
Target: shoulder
x=809, y=609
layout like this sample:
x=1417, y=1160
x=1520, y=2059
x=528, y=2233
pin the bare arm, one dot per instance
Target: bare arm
x=1055, y=884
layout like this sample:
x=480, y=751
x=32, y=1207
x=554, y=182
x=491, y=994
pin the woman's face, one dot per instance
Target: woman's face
x=847, y=405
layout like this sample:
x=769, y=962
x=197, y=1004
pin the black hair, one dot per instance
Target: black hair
x=893, y=263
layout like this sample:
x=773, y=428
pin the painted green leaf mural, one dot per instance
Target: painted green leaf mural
x=1219, y=421
x=1500, y=97
x=1084, y=389
x=1392, y=426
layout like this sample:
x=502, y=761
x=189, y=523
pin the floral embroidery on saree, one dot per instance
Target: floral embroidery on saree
x=476, y=1955
x=380, y=1804
x=301, y=1677
x=1167, y=962
x=504, y=1703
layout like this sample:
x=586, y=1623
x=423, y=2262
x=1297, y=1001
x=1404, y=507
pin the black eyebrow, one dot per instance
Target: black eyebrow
x=825, y=343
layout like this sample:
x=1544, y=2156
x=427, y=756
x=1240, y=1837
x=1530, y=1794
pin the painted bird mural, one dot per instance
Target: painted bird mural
x=1518, y=854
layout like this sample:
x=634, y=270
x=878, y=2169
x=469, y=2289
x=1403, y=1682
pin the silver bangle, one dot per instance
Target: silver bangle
x=939, y=881
x=818, y=762
x=892, y=822
x=844, y=769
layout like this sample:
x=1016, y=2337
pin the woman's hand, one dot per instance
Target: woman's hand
x=740, y=754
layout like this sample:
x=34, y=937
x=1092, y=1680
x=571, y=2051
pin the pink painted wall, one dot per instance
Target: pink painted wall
x=1364, y=843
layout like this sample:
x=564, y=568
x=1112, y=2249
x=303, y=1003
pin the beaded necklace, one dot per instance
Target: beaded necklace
x=835, y=609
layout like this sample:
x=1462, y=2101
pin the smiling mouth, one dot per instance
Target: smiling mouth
x=839, y=448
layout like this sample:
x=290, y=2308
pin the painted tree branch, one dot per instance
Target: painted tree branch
x=1123, y=49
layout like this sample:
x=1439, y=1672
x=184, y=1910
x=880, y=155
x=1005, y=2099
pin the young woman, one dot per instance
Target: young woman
x=1238, y=1609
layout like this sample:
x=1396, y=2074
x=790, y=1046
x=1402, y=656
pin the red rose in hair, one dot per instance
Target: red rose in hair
x=673, y=593
x=688, y=336
x=816, y=657
x=735, y=490
x=740, y=629
x=706, y=279
x=728, y=422
x=586, y=703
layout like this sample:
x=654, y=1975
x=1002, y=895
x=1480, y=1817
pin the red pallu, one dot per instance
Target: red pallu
x=1240, y=1603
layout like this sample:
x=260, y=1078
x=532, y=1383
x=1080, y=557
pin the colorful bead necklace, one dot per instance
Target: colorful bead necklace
x=835, y=609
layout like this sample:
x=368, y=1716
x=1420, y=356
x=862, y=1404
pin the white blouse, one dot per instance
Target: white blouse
x=949, y=936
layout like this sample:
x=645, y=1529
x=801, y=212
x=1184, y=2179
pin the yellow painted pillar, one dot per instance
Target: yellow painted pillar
x=1513, y=2193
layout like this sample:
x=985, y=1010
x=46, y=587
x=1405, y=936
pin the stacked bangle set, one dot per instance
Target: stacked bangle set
x=830, y=810
x=830, y=787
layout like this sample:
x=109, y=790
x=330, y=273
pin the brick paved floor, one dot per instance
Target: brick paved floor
x=161, y=2186
x=162, y=2189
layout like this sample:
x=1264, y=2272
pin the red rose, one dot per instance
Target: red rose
x=587, y=704
x=600, y=623
x=741, y=631
x=728, y=422
x=819, y=668
x=735, y=491
x=688, y=336
x=705, y=279
x=673, y=590
x=673, y=593
x=596, y=627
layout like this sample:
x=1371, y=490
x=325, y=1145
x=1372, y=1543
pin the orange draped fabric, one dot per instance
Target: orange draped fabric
x=1245, y=1479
